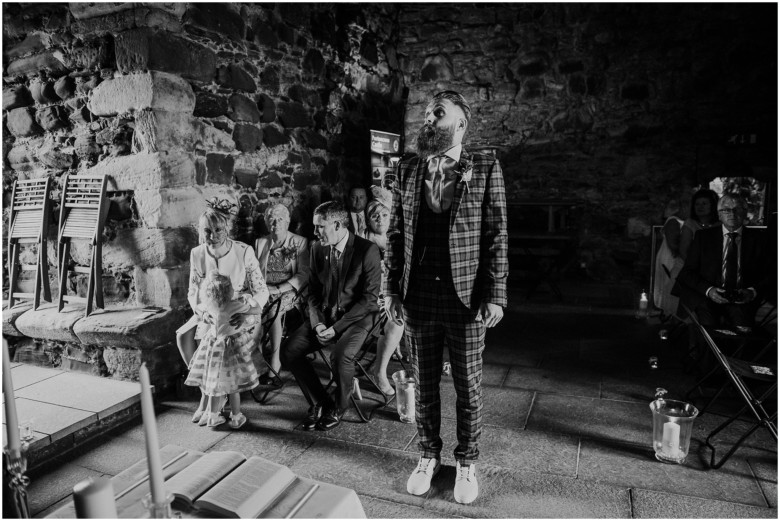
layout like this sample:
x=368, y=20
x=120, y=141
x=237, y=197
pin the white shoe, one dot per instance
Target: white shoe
x=466, y=487
x=420, y=481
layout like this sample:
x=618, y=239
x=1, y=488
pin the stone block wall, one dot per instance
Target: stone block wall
x=178, y=103
x=622, y=106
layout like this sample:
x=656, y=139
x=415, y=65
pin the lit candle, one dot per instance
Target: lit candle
x=670, y=444
x=94, y=499
x=152, y=444
x=11, y=420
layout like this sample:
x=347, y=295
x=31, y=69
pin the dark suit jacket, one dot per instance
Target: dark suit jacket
x=359, y=281
x=704, y=269
x=478, y=235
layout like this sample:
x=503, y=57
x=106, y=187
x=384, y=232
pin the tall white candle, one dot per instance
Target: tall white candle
x=670, y=444
x=11, y=420
x=156, y=482
x=94, y=499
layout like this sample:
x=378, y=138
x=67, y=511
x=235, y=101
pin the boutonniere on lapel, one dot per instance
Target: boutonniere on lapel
x=465, y=169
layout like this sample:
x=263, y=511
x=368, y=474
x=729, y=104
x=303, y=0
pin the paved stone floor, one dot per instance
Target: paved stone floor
x=567, y=433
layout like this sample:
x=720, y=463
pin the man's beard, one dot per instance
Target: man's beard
x=432, y=141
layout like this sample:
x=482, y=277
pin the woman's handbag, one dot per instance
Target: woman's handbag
x=185, y=339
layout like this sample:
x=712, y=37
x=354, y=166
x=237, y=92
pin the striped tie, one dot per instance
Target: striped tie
x=731, y=263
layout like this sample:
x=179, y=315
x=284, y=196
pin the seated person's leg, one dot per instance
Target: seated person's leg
x=293, y=356
x=743, y=315
x=385, y=347
x=347, y=346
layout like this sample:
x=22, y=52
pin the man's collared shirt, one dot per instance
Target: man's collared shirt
x=449, y=181
x=359, y=224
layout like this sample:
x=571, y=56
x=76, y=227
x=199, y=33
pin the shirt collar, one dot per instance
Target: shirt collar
x=342, y=243
x=452, y=152
x=725, y=230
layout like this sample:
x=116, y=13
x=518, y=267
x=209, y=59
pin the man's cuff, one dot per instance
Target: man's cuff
x=707, y=293
x=495, y=296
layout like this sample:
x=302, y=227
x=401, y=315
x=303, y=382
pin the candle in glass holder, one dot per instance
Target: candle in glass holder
x=94, y=499
x=11, y=420
x=156, y=482
x=670, y=443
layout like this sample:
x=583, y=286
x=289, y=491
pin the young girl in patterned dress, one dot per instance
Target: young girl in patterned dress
x=222, y=365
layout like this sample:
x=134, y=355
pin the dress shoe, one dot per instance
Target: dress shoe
x=466, y=487
x=420, y=481
x=315, y=412
x=330, y=419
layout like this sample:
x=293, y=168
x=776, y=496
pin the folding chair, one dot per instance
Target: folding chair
x=83, y=212
x=29, y=218
x=268, y=319
x=738, y=372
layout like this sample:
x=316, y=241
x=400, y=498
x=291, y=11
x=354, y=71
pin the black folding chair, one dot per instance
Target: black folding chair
x=738, y=372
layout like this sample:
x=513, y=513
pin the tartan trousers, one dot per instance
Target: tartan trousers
x=434, y=314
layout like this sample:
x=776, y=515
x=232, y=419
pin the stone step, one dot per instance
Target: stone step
x=68, y=409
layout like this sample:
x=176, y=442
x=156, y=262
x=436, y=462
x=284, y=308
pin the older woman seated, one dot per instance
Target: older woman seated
x=378, y=213
x=284, y=261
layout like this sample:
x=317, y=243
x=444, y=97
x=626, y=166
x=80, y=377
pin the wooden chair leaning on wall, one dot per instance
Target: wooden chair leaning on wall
x=30, y=207
x=83, y=212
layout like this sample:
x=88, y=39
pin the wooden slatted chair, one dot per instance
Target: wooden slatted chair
x=29, y=220
x=83, y=212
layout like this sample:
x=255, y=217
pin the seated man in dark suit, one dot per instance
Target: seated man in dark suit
x=727, y=269
x=343, y=290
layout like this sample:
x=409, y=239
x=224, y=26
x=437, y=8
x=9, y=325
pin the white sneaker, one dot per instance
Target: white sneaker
x=420, y=481
x=466, y=487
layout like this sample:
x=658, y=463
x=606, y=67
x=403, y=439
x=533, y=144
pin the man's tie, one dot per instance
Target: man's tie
x=732, y=262
x=437, y=166
x=333, y=298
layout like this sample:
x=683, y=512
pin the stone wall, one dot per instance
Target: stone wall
x=622, y=106
x=178, y=103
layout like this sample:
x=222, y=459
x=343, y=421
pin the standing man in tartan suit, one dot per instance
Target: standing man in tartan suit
x=446, y=276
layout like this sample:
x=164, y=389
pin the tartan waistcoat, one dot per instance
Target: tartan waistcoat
x=432, y=244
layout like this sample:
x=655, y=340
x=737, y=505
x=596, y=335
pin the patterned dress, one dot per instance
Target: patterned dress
x=278, y=270
x=223, y=363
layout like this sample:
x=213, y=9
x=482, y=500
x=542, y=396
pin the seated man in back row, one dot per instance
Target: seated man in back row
x=343, y=291
x=726, y=273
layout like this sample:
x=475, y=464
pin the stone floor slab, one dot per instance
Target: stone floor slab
x=502, y=407
x=759, y=446
x=175, y=428
x=573, y=382
x=513, y=449
x=610, y=420
x=109, y=455
x=637, y=467
x=494, y=374
x=278, y=446
x=384, y=430
x=648, y=504
x=24, y=375
x=50, y=420
x=766, y=475
x=55, y=486
x=381, y=509
x=642, y=387
x=104, y=396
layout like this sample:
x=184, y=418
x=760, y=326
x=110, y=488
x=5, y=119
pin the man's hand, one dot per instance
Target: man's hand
x=394, y=309
x=491, y=314
x=325, y=336
x=744, y=296
x=716, y=295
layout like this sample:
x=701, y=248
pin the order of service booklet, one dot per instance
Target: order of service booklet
x=228, y=484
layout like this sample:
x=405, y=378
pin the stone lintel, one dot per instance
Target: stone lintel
x=139, y=91
x=158, y=130
x=133, y=328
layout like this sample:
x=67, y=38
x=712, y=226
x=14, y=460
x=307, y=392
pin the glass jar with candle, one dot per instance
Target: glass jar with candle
x=672, y=427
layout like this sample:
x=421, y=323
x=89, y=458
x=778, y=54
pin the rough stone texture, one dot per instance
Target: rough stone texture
x=151, y=90
x=233, y=76
x=248, y=138
x=47, y=323
x=175, y=208
x=145, y=49
x=149, y=247
x=158, y=130
x=45, y=61
x=241, y=108
x=10, y=316
x=157, y=285
x=21, y=122
x=16, y=96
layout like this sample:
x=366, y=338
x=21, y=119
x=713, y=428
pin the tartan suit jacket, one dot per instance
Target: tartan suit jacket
x=478, y=234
